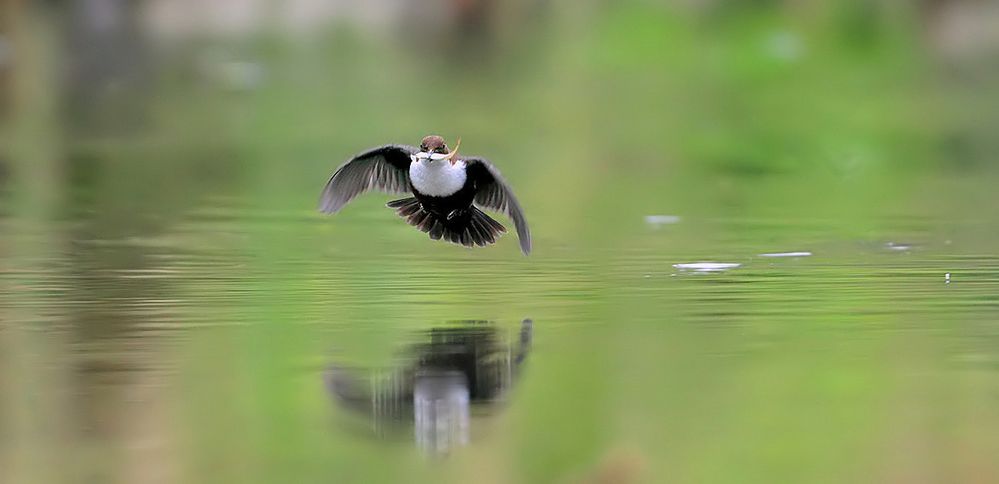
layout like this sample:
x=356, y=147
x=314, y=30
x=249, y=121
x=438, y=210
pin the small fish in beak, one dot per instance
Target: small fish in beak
x=452, y=156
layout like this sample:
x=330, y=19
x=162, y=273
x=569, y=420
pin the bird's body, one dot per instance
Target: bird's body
x=438, y=179
x=446, y=191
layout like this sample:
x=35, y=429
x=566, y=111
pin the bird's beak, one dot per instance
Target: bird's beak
x=453, y=154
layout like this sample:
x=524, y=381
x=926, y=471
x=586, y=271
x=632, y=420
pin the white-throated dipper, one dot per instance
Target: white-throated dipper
x=448, y=191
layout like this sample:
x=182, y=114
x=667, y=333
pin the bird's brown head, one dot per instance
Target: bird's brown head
x=433, y=144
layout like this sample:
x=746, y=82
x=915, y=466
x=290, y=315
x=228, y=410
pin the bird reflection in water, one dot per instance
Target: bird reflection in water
x=453, y=369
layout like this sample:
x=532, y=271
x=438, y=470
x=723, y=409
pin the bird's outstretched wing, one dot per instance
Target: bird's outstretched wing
x=492, y=192
x=385, y=168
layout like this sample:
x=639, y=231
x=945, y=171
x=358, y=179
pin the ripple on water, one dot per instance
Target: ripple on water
x=706, y=266
x=657, y=221
x=786, y=254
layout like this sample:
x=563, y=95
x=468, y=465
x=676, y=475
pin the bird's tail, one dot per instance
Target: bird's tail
x=469, y=227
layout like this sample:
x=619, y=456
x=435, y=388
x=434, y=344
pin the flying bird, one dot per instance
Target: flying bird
x=448, y=191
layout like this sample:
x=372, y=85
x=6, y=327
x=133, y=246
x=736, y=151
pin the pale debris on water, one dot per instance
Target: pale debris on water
x=706, y=266
x=787, y=254
x=660, y=220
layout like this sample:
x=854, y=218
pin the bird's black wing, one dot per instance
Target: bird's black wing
x=385, y=168
x=493, y=193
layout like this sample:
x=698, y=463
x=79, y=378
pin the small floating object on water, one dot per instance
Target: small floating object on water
x=706, y=266
x=899, y=247
x=660, y=220
x=787, y=254
x=947, y=278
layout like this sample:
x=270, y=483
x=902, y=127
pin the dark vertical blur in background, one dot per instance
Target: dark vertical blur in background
x=169, y=297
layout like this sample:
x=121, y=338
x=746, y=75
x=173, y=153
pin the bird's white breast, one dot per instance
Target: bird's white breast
x=438, y=178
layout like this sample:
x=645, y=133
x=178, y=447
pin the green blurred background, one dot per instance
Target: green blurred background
x=169, y=298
